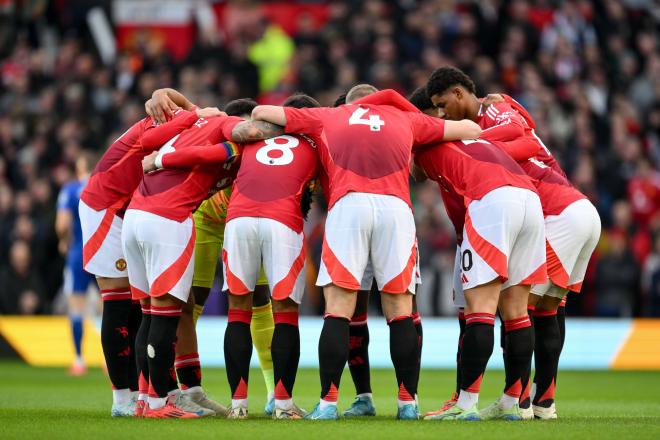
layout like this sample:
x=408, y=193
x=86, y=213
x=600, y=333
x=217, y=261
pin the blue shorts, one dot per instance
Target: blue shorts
x=76, y=280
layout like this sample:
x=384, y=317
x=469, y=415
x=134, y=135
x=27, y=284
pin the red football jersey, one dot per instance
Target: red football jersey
x=365, y=147
x=543, y=154
x=176, y=193
x=119, y=171
x=502, y=122
x=272, y=179
x=471, y=168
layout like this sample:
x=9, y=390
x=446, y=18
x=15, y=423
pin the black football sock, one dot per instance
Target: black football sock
x=404, y=350
x=546, y=356
x=519, y=348
x=417, y=321
x=134, y=321
x=525, y=400
x=561, y=321
x=188, y=370
x=358, y=354
x=285, y=351
x=476, y=349
x=333, y=355
x=141, y=351
x=115, y=335
x=160, y=349
x=238, y=352
x=461, y=325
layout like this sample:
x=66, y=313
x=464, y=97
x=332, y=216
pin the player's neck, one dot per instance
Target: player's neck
x=474, y=105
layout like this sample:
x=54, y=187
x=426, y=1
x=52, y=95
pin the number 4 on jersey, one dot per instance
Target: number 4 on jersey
x=374, y=122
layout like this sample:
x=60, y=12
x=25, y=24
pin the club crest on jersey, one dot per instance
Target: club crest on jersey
x=120, y=264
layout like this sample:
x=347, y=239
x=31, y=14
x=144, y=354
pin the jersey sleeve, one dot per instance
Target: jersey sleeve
x=426, y=129
x=156, y=137
x=190, y=157
x=520, y=149
x=502, y=123
x=305, y=120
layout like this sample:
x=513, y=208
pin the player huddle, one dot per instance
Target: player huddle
x=187, y=186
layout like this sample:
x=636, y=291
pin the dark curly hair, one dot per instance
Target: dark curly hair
x=420, y=99
x=300, y=100
x=341, y=100
x=444, y=78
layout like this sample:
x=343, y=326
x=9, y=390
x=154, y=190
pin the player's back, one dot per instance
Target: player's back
x=472, y=168
x=365, y=147
x=176, y=193
x=555, y=190
x=119, y=171
x=272, y=179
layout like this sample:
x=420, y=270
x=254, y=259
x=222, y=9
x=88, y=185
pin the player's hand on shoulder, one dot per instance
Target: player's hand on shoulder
x=492, y=98
x=149, y=162
x=209, y=112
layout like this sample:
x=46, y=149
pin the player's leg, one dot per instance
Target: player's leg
x=343, y=261
x=283, y=255
x=262, y=328
x=286, y=355
x=116, y=341
x=103, y=256
x=526, y=266
x=334, y=345
x=459, y=302
x=358, y=354
x=208, y=241
x=76, y=282
x=571, y=238
x=394, y=258
x=141, y=358
x=241, y=257
x=546, y=351
x=238, y=352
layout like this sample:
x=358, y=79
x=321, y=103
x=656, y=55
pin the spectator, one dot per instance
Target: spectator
x=22, y=291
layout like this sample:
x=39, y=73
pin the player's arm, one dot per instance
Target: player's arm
x=294, y=120
x=429, y=130
x=63, y=221
x=520, y=149
x=504, y=123
x=270, y=113
x=183, y=119
x=190, y=157
x=164, y=102
x=250, y=131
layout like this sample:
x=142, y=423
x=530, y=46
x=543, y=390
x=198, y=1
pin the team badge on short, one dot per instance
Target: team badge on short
x=120, y=264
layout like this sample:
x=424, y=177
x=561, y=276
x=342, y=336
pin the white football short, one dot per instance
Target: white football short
x=103, y=255
x=160, y=254
x=251, y=240
x=362, y=228
x=503, y=237
x=368, y=277
x=571, y=238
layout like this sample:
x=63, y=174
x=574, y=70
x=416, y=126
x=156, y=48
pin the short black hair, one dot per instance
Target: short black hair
x=300, y=100
x=420, y=99
x=341, y=100
x=444, y=78
x=238, y=107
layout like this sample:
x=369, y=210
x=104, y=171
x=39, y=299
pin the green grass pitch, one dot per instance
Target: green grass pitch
x=45, y=403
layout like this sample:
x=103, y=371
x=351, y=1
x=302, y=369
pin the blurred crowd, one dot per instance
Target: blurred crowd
x=588, y=72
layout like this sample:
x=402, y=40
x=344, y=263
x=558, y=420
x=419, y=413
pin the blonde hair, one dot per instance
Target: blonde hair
x=359, y=91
